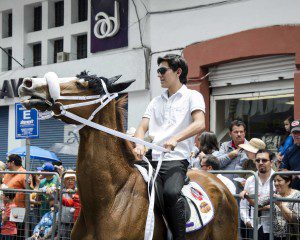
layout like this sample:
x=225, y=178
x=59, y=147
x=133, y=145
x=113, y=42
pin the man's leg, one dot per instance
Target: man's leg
x=173, y=174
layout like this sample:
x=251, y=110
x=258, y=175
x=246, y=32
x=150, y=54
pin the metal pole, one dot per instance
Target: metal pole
x=27, y=205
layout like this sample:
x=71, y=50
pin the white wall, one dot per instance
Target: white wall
x=179, y=29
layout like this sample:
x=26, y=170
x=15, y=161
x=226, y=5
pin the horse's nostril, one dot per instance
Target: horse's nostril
x=27, y=83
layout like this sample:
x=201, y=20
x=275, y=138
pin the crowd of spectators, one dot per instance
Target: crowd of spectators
x=49, y=183
x=236, y=154
x=240, y=154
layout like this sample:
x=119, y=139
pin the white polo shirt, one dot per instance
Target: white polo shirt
x=171, y=115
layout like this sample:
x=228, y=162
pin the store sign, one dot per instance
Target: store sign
x=10, y=87
x=27, y=123
x=109, y=25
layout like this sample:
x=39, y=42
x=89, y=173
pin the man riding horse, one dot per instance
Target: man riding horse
x=172, y=119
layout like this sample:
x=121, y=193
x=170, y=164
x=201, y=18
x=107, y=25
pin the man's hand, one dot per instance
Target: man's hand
x=243, y=194
x=171, y=144
x=233, y=154
x=139, y=151
x=249, y=224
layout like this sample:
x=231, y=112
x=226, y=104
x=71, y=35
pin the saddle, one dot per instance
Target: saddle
x=199, y=210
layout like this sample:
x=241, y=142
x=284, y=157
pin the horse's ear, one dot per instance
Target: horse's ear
x=119, y=87
x=112, y=80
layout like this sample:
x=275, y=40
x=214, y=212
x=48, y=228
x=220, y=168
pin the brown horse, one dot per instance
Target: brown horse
x=112, y=191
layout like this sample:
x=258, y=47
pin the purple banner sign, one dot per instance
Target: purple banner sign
x=109, y=24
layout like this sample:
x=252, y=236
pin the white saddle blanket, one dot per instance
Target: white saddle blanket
x=202, y=210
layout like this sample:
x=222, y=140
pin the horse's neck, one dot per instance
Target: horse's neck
x=103, y=156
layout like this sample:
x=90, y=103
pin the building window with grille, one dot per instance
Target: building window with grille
x=58, y=47
x=37, y=22
x=82, y=10
x=59, y=14
x=9, y=59
x=37, y=54
x=9, y=24
x=81, y=46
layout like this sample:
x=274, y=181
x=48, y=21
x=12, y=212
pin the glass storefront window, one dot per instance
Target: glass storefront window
x=263, y=116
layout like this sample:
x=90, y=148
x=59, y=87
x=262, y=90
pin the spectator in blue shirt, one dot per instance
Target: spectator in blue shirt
x=287, y=139
x=44, y=228
x=291, y=158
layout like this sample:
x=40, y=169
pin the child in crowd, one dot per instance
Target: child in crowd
x=44, y=228
x=8, y=228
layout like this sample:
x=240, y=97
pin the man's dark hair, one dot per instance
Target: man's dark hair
x=208, y=142
x=176, y=61
x=237, y=123
x=212, y=161
x=10, y=195
x=271, y=154
x=16, y=159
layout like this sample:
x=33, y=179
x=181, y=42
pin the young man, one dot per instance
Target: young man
x=172, y=119
x=210, y=162
x=264, y=161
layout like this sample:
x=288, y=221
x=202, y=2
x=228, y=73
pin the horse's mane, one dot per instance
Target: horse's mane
x=120, y=114
x=94, y=82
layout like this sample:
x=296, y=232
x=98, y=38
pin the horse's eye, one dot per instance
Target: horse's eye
x=79, y=85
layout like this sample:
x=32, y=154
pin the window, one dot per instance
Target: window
x=58, y=47
x=37, y=24
x=59, y=14
x=9, y=24
x=81, y=46
x=9, y=59
x=82, y=10
x=37, y=54
x=263, y=116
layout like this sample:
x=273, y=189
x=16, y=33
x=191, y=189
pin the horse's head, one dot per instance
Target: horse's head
x=50, y=93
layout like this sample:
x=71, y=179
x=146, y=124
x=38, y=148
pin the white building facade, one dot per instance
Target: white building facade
x=231, y=77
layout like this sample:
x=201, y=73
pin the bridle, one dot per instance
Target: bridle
x=54, y=90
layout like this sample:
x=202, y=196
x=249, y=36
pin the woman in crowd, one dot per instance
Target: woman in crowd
x=286, y=140
x=208, y=145
x=286, y=215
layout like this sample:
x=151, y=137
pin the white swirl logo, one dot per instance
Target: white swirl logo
x=107, y=26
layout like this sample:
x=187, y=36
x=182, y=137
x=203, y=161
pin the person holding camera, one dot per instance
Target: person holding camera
x=264, y=161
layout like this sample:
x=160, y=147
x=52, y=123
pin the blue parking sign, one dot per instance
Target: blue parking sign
x=27, y=122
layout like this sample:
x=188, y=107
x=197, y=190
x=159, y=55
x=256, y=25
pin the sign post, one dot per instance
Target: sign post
x=27, y=126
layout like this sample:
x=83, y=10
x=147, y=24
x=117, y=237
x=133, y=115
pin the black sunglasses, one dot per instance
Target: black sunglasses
x=263, y=160
x=162, y=70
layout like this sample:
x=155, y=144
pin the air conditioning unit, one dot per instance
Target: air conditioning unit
x=62, y=57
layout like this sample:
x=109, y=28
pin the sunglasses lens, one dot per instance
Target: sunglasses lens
x=162, y=70
x=261, y=160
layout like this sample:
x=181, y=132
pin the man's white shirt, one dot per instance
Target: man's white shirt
x=170, y=115
x=263, y=191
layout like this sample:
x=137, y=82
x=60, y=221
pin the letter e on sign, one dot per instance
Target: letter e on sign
x=26, y=114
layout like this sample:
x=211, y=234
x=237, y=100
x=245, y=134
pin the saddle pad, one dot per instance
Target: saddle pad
x=202, y=210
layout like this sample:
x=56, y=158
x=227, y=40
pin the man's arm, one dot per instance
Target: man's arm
x=224, y=156
x=197, y=126
x=140, y=133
